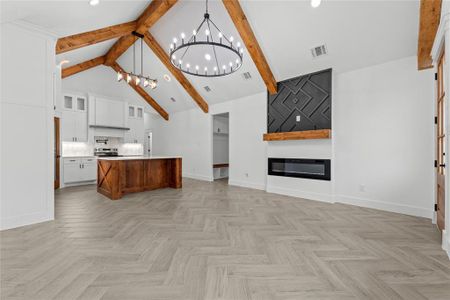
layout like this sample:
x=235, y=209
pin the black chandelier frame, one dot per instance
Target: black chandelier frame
x=192, y=42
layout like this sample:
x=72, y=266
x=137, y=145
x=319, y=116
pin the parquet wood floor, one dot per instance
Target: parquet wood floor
x=213, y=241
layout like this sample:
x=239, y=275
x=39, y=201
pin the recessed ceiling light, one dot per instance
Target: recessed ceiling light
x=315, y=3
x=94, y=2
x=166, y=77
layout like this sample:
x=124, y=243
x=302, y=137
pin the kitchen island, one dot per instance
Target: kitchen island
x=118, y=176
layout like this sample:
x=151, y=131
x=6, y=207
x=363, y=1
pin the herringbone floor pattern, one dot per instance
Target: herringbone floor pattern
x=211, y=241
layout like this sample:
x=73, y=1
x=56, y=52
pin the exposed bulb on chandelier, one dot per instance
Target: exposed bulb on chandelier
x=206, y=32
x=119, y=76
x=153, y=84
x=128, y=78
x=231, y=39
x=146, y=83
x=183, y=35
x=137, y=80
x=207, y=56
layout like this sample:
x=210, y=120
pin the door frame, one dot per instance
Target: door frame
x=441, y=141
x=57, y=152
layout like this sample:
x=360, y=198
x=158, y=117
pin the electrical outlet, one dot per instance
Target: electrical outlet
x=297, y=118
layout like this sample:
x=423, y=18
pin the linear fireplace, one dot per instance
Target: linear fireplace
x=300, y=167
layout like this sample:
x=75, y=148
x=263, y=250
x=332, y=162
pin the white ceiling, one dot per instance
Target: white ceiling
x=357, y=34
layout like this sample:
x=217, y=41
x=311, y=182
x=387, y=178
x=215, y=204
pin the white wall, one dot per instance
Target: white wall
x=320, y=190
x=381, y=151
x=384, y=137
x=189, y=134
x=26, y=119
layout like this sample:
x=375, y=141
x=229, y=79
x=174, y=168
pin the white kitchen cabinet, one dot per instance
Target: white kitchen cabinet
x=71, y=170
x=136, y=132
x=74, y=126
x=135, y=111
x=109, y=113
x=88, y=169
x=78, y=169
x=139, y=112
x=74, y=103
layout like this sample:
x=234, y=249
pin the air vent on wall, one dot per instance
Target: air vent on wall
x=207, y=88
x=319, y=51
x=247, y=76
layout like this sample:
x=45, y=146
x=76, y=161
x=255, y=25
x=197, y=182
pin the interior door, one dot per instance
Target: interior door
x=57, y=153
x=440, y=167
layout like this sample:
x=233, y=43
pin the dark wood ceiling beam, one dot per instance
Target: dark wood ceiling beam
x=430, y=14
x=154, y=11
x=86, y=65
x=165, y=59
x=84, y=39
x=143, y=93
x=243, y=26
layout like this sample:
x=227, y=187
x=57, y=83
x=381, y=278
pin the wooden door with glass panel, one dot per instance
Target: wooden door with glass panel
x=440, y=161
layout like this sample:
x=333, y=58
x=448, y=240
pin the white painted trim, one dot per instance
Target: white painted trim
x=198, y=177
x=246, y=184
x=18, y=221
x=439, y=39
x=322, y=197
x=445, y=242
x=386, y=206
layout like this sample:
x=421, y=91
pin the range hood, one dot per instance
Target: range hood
x=109, y=127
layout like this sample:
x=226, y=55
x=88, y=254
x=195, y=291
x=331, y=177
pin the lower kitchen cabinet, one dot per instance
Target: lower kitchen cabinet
x=79, y=169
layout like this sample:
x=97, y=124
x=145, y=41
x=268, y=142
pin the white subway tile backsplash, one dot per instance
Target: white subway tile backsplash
x=131, y=149
x=76, y=149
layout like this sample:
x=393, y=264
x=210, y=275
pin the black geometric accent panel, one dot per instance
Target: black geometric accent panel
x=302, y=103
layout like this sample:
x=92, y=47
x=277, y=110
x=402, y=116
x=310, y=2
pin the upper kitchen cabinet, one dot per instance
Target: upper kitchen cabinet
x=135, y=111
x=74, y=119
x=74, y=126
x=75, y=103
x=136, y=124
x=108, y=113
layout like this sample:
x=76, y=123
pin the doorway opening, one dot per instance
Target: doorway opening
x=221, y=146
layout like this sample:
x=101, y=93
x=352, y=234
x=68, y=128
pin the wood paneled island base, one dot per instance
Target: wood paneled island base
x=118, y=176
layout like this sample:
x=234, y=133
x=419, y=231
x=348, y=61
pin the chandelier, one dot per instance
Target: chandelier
x=208, y=52
x=133, y=77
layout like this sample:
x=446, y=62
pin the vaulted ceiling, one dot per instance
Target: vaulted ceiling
x=356, y=33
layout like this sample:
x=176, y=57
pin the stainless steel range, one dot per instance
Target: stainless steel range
x=106, y=152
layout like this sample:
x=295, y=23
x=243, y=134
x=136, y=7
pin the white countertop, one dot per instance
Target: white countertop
x=136, y=157
x=79, y=156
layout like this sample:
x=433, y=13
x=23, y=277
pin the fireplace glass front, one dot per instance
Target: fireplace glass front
x=300, y=167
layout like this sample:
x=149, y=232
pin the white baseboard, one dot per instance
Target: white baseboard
x=197, y=176
x=397, y=208
x=247, y=184
x=301, y=194
x=18, y=221
x=446, y=242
